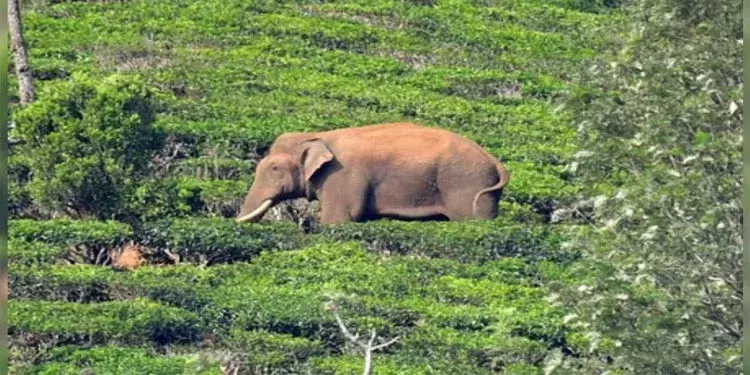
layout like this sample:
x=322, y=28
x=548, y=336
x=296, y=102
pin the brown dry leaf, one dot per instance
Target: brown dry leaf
x=130, y=257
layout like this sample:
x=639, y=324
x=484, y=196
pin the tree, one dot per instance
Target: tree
x=367, y=347
x=661, y=127
x=20, y=54
x=88, y=144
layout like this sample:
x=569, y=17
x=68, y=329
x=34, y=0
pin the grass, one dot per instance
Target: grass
x=463, y=297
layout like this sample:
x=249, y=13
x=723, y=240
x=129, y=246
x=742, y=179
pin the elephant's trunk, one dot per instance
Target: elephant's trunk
x=256, y=214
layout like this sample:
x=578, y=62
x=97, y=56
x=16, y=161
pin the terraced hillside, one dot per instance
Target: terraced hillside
x=213, y=296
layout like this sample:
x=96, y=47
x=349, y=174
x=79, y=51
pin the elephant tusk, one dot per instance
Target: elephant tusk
x=258, y=212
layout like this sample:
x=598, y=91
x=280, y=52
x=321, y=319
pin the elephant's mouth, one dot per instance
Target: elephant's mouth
x=257, y=214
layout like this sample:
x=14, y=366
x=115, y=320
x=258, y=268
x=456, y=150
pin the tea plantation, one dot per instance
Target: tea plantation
x=213, y=83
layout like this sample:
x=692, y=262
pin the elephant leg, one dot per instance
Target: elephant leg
x=487, y=207
x=343, y=205
x=332, y=216
x=459, y=205
x=333, y=211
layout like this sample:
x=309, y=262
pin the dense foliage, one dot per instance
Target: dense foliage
x=86, y=144
x=617, y=248
x=668, y=118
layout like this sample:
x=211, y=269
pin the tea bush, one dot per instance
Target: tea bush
x=214, y=240
x=79, y=283
x=158, y=198
x=177, y=286
x=492, y=352
x=264, y=350
x=187, y=196
x=19, y=198
x=391, y=365
x=87, y=143
x=467, y=242
x=284, y=292
x=26, y=253
x=116, y=360
x=214, y=168
x=71, y=232
x=218, y=82
x=45, y=323
x=217, y=197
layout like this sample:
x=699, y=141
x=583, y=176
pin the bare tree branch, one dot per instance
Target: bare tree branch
x=175, y=258
x=345, y=331
x=20, y=55
x=367, y=348
x=386, y=344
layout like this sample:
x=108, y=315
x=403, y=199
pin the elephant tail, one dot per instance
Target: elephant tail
x=504, y=178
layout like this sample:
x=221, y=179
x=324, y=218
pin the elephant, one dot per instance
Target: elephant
x=401, y=171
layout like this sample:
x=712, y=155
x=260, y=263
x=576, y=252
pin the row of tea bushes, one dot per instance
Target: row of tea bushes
x=28, y=253
x=137, y=321
x=218, y=91
x=176, y=285
x=200, y=240
x=286, y=354
x=463, y=241
x=211, y=240
x=67, y=232
x=489, y=314
x=252, y=350
x=458, y=293
x=110, y=359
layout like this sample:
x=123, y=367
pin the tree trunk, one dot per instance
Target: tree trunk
x=20, y=56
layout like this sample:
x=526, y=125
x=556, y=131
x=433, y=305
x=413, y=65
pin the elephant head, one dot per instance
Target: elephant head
x=285, y=173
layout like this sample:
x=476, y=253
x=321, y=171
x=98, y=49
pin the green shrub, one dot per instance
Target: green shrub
x=181, y=285
x=45, y=323
x=542, y=189
x=390, y=365
x=481, y=349
x=663, y=104
x=216, y=197
x=19, y=198
x=264, y=350
x=71, y=232
x=27, y=253
x=265, y=306
x=156, y=199
x=118, y=360
x=86, y=143
x=214, y=168
x=479, y=292
x=522, y=369
x=217, y=240
x=75, y=283
x=466, y=242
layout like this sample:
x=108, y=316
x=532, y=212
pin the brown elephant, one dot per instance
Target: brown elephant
x=399, y=170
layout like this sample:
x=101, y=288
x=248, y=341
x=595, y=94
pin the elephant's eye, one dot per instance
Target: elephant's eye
x=275, y=168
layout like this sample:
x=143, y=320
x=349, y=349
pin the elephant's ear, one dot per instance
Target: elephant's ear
x=314, y=156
